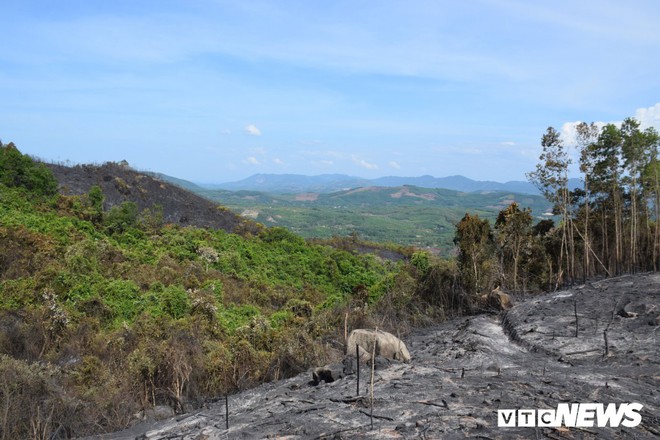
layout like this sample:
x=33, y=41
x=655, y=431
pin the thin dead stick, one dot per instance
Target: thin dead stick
x=592, y=251
x=607, y=328
x=226, y=412
x=591, y=350
x=373, y=367
x=357, y=357
x=377, y=416
x=430, y=403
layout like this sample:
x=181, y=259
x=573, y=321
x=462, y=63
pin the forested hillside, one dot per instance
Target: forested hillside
x=110, y=306
x=108, y=312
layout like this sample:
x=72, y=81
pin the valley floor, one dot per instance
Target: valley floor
x=463, y=371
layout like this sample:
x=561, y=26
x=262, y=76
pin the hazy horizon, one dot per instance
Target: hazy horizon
x=217, y=91
x=355, y=177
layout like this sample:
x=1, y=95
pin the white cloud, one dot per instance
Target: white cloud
x=647, y=117
x=508, y=144
x=364, y=164
x=252, y=130
x=252, y=160
x=325, y=162
x=278, y=161
x=394, y=164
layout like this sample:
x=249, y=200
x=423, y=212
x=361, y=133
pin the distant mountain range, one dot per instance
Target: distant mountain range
x=327, y=183
x=407, y=215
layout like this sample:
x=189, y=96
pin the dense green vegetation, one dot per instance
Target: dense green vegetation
x=108, y=313
x=408, y=215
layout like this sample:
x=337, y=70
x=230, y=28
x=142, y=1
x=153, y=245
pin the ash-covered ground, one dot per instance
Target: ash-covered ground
x=463, y=371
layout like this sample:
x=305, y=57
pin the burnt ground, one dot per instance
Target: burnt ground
x=120, y=183
x=463, y=371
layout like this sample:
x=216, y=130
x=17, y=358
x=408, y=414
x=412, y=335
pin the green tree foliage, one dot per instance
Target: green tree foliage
x=514, y=239
x=611, y=225
x=474, y=238
x=121, y=218
x=421, y=261
x=639, y=152
x=19, y=170
x=651, y=185
x=587, y=134
x=551, y=178
x=95, y=199
x=152, y=219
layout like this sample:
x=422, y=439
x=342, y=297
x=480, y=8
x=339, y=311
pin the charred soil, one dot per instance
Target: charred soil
x=463, y=371
x=120, y=183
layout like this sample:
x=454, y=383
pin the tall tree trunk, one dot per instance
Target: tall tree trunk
x=634, y=234
x=587, y=239
x=653, y=162
x=605, y=240
x=618, y=232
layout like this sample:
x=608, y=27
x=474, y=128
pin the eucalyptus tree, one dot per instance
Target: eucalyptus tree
x=607, y=189
x=514, y=235
x=633, y=155
x=474, y=238
x=616, y=217
x=587, y=135
x=650, y=182
x=551, y=178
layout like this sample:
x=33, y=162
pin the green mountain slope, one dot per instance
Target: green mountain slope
x=405, y=215
x=106, y=312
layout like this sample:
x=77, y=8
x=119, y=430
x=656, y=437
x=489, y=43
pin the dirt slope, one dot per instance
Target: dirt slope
x=466, y=369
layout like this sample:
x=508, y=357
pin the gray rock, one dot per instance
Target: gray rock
x=327, y=374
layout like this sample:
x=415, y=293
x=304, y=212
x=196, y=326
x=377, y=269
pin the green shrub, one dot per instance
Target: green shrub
x=233, y=317
x=121, y=218
x=175, y=302
x=19, y=170
x=300, y=307
x=123, y=298
x=420, y=260
x=281, y=318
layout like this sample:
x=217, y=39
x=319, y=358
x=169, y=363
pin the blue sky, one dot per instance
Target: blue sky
x=214, y=91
